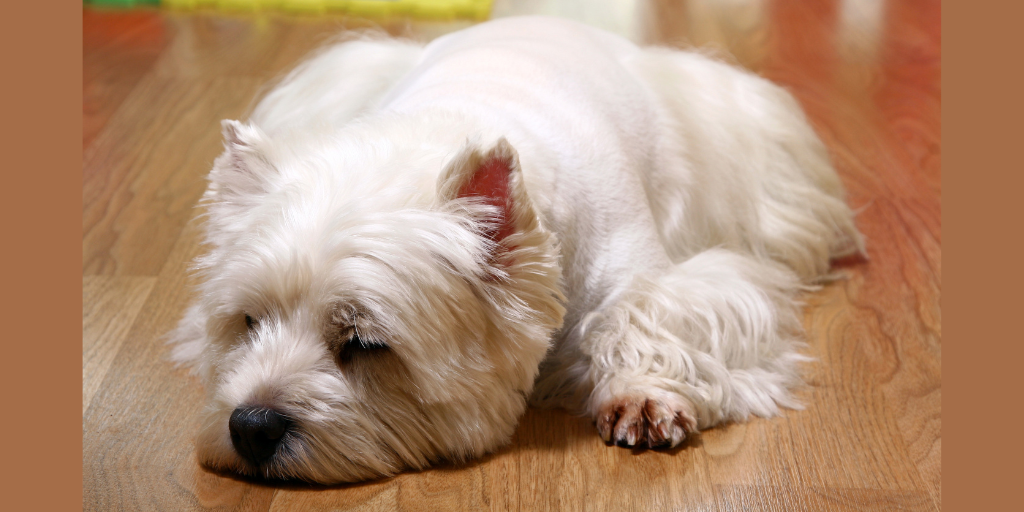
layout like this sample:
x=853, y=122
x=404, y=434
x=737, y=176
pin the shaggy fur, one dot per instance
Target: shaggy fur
x=407, y=243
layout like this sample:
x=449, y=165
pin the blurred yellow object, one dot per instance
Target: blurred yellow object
x=430, y=9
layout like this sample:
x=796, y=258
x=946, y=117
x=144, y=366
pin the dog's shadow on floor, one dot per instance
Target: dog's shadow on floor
x=557, y=430
x=540, y=430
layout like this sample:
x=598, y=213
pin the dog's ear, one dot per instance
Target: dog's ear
x=241, y=169
x=239, y=134
x=493, y=176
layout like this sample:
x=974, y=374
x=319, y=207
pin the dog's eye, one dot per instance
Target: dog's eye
x=358, y=347
x=249, y=322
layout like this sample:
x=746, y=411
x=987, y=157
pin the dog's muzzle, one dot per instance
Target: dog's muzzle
x=256, y=432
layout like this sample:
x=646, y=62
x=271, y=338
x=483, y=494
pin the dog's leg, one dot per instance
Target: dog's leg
x=739, y=166
x=713, y=339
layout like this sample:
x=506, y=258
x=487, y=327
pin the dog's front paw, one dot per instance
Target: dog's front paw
x=655, y=422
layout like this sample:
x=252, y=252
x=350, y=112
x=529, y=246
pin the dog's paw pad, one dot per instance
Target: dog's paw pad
x=632, y=422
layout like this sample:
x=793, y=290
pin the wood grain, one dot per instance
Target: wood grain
x=110, y=306
x=866, y=71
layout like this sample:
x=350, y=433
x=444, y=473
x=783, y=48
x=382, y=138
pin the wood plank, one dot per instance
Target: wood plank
x=781, y=499
x=119, y=48
x=144, y=174
x=110, y=306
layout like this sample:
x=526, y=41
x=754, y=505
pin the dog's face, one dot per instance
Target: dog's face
x=351, y=325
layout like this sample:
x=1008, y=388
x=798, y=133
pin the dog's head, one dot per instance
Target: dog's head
x=353, y=322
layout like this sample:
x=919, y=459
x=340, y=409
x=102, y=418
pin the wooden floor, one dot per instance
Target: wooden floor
x=156, y=84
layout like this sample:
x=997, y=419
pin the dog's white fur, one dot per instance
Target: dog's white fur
x=662, y=212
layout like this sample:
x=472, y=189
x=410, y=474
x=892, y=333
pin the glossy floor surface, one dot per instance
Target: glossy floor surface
x=867, y=72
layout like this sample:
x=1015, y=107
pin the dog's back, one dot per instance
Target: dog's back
x=598, y=119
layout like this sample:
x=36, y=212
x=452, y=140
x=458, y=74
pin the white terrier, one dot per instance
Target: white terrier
x=409, y=243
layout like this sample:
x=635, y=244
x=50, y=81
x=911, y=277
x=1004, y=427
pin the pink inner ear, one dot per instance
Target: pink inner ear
x=490, y=182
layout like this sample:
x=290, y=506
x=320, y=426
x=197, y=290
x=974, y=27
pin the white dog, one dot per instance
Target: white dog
x=407, y=244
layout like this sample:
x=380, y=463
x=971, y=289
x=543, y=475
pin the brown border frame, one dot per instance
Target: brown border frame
x=982, y=178
x=42, y=256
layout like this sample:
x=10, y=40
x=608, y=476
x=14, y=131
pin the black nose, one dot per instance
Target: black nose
x=256, y=432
